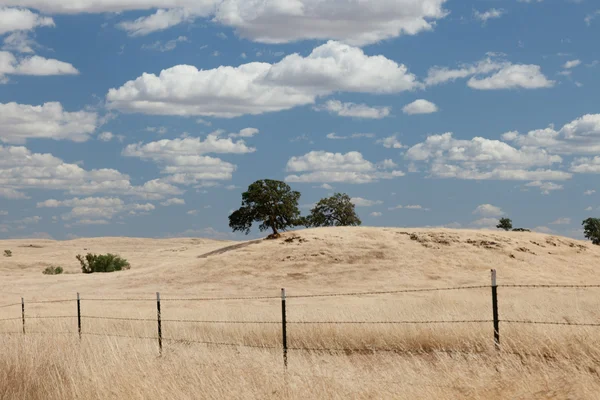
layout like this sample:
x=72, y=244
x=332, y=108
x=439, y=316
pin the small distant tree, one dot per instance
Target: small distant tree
x=272, y=203
x=591, y=230
x=504, y=223
x=53, y=271
x=337, y=210
x=7, y=253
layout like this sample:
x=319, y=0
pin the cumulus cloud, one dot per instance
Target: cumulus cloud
x=165, y=46
x=183, y=159
x=580, y=136
x=84, y=210
x=162, y=19
x=256, y=88
x=20, y=122
x=504, y=75
x=561, y=221
x=21, y=170
x=545, y=187
x=34, y=65
x=488, y=210
x=245, y=133
x=420, y=106
x=354, y=110
x=21, y=19
x=483, y=159
x=572, y=64
x=391, y=142
x=409, y=207
x=376, y=214
x=325, y=167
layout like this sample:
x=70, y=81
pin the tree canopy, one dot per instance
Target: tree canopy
x=270, y=202
x=337, y=210
x=591, y=230
x=505, y=223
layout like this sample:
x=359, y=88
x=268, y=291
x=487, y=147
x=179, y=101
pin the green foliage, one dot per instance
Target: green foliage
x=505, y=223
x=521, y=230
x=337, y=210
x=591, y=230
x=7, y=253
x=272, y=203
x=102, y=263
x=53, y=271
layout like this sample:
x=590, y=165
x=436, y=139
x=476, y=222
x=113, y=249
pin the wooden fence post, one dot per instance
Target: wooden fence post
x=495, y=310
x=23, y=313
x=79, y=315
x=284, y=329
x=159, y=323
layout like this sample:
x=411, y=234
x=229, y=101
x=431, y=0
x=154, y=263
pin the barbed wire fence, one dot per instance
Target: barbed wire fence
x=283, y=322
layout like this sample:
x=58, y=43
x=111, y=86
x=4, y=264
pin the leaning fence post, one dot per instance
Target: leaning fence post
x=23, y=313
x=79, y=315
x=495, y=310
x=159, y=322
x=284, y=329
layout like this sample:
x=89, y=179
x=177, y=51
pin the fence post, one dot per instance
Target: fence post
x=495, y=310
x=159, y=323
x=23, y=313
x=284, y=329
x=79, y=315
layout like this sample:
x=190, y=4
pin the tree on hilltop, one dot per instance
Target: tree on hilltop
x=591, y=230
x=337, y=210
x=270, y=202
x=505, y=223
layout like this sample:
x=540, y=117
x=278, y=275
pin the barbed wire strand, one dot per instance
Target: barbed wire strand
x=222, y=344
x=544, y=286
x=10, y=305
x=10, y=319
x=388, y=292
x=508, y=321
x=49, y=301
x=387, y=322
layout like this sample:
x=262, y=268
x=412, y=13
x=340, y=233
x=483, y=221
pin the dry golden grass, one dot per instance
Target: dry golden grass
x=442, y=361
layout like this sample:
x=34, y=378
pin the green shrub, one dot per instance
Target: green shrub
x=53, y=271
x=521, y=230
x=102, y=263
x=7, y=253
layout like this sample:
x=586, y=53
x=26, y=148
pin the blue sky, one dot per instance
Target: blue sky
x=150, y=117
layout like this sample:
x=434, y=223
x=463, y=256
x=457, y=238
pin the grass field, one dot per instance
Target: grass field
x=442, y=361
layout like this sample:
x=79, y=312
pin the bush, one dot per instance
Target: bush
x=521, y=230
x=7, y=253
x=53, y=271
x=102, y=263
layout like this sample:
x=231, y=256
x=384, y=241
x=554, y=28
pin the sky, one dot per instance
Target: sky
x=149, y=118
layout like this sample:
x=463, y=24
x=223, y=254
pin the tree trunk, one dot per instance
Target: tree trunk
x=272, y=221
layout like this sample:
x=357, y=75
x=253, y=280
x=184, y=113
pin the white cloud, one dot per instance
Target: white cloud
x=34, y=65
x=106, y=136
x=160, y=130
x=183, y=159
x=589, y=192
x=488, y=210
x=420, y=106
x=572, y=64
x=270, y=21
x=492, y=13
x=94, y=208
x=21, y=19
x=325, y=186
x=376, y=214
x=391, y=142
x=173, y=202
x=354, y=22
x=513, y=77
x=360, y=202
x=581, y=136
x=354, y=110
x=543, y=229
x=11, y=194
x=3, y=213
x=162, y=19
x=589, y=208
x=256, y=88
x=91, y=222
x=545, y=187
x=20, y=42
x=324, y=167
x=193, y=212
x=20, y=170
x=246, y=133
x=561, y=221
x=165, y=46
x=505, y=75
x=483, y=159
x=20, y=122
